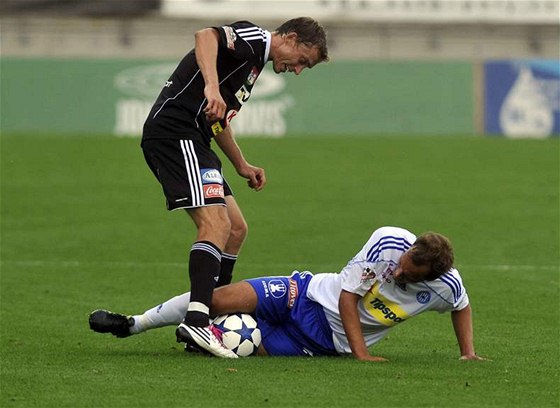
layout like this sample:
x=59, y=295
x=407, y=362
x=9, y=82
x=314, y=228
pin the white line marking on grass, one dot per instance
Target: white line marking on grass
x=291, y=266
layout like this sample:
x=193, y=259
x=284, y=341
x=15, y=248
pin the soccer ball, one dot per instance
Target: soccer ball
x=240, y=333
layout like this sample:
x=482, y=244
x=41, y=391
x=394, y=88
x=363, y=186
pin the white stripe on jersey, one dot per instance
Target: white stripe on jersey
x=252, y=33
x=248, y=32
x=193, y=173
x=179, y=93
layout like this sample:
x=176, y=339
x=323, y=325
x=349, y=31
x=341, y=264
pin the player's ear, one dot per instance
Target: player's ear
x=291, y=38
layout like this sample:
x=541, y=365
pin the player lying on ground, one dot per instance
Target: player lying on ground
x=394, y=277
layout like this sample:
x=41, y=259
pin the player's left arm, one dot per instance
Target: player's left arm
x=462, y=324
x=256, y=178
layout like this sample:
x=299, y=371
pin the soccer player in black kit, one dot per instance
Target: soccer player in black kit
x=197, y=103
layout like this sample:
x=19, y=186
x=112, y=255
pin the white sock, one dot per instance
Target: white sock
x=169, y=313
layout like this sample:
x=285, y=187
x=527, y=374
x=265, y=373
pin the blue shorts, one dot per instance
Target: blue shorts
x=291, y=324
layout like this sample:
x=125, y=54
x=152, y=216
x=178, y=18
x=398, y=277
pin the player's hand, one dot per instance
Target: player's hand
x=256, y=178
x=215, y=109
x=375, y=359
x=473, y=357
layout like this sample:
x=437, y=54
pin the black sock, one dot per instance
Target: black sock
x=204, y=269
x=226, y=272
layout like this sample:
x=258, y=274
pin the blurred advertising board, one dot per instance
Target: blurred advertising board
x=336, y=98
x=522, y=98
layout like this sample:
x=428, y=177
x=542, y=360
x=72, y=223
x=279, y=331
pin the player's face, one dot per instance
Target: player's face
x=292, y=56
x=408, y=272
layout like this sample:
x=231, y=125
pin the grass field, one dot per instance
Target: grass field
x=83, y=226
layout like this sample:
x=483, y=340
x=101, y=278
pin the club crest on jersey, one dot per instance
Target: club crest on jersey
x=423, y=297
x=231, y=37
x=252, y=76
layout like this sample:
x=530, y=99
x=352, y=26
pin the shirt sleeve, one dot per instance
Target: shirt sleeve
x=451, y=292
x=376, y=260
x=240, y=40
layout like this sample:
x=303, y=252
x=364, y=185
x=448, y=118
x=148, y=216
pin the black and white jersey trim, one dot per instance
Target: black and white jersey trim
x=251, y=33
x=193, y=172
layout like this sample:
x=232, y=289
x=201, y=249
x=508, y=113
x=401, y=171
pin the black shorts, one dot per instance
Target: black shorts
x=189, y=172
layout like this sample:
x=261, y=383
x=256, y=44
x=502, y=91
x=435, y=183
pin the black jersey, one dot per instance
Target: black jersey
x=243, y=50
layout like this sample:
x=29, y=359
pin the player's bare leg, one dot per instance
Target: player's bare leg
x=238, y=233
x=238, y=297
x=205, y=259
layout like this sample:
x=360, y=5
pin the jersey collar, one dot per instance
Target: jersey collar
x=268, y=41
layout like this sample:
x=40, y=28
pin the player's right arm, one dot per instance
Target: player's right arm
x=206, y=51
x=348, y=308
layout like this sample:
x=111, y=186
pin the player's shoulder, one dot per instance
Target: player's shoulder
x=388, y=243
x=450, y=284
x=393, y=235
x=243, y=24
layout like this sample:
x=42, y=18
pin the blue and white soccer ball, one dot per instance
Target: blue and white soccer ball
x=240, y=333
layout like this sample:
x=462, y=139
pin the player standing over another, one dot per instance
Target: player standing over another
x=197, y=103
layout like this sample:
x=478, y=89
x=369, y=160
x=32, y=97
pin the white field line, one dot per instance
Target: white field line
x=291, y=266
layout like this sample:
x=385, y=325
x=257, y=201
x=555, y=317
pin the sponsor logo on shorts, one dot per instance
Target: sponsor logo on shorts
x=231, y=37
x=213, y=190
x=211, y=176
x=423, y=297
x=265, y=288
x=293, y=293
x=277, y=288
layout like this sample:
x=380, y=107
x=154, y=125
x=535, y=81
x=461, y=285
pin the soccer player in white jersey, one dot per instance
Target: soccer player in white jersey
x=394, y=277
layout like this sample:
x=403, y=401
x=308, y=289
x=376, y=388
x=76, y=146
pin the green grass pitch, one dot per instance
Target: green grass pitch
x=83, y=226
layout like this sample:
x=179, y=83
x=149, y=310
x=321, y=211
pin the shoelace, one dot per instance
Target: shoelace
x=217, y=333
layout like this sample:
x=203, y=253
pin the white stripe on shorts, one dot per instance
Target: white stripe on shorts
x=193, y=173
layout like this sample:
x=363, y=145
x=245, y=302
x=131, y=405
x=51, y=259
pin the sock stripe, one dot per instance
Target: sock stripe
x=229, y=256
x=200, y=246
x=198, y=307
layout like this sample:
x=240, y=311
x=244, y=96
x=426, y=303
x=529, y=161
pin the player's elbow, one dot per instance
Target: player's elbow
x=205, y=34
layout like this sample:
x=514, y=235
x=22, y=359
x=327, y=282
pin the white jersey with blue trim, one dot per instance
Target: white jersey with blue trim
x=383, y=303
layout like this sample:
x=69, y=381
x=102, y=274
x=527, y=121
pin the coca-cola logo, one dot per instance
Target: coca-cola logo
x=213, y=190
